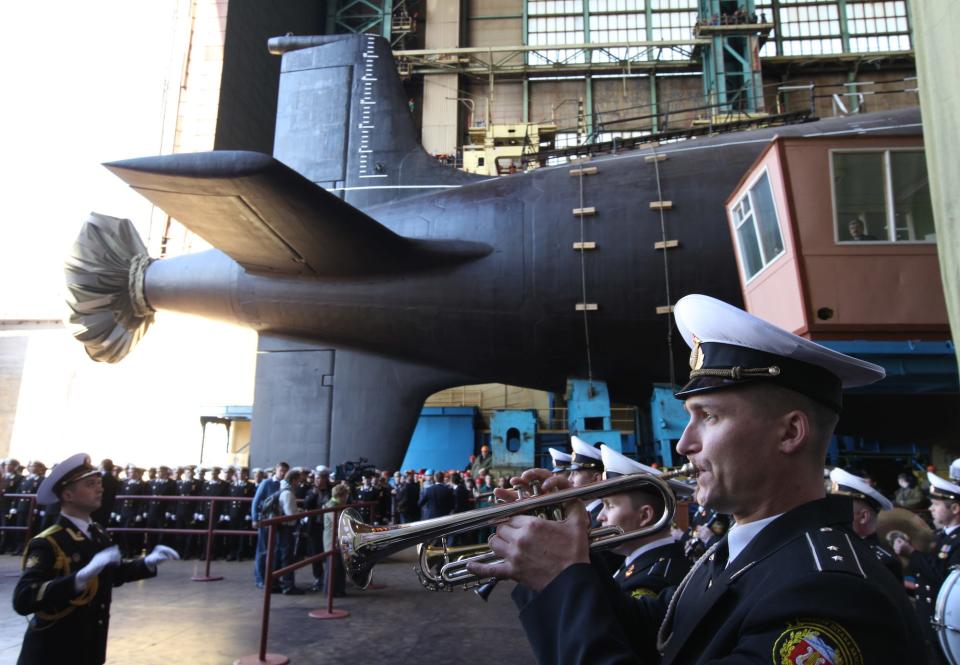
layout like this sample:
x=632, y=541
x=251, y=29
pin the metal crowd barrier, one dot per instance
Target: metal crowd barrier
x=271, y=576
x=210, y=532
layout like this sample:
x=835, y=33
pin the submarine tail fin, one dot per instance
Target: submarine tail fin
x=343, y=121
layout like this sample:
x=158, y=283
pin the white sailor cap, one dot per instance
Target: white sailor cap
x=585, y=456
x=561, y=460
x=617, y=464
x=68, y=471
x=322, y=470
x=955, y=469
x=943, y=489
x=731, y=348
x=845, y=483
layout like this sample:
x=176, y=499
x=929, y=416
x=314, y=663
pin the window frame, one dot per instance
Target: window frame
x=776, y=213
x=888, y=200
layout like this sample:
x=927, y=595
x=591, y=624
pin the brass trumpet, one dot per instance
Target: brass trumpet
x=364, y=545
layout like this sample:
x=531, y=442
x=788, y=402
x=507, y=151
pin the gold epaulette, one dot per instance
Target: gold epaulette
x=49, y=531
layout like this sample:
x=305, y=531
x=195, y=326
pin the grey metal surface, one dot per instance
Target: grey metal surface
x=433, y=288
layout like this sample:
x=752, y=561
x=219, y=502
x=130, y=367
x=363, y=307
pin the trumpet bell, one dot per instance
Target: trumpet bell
x=351, y=526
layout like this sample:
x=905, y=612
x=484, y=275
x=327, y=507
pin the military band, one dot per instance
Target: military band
x=787, y=572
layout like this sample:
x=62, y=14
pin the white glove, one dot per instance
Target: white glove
x=160, y=554
x=138, y=519
x=100, y=560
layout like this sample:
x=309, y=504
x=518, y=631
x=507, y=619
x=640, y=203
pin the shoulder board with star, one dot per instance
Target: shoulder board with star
x=832, y=550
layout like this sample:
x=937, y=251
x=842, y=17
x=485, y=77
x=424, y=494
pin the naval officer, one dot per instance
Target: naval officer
x=652, y=562
x=867, y=504
x=561, y=462
x=69, y=572
x=586, y=468
x=789, y=583
x=931, y=568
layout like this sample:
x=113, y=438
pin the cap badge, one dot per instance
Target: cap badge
x=696, y=354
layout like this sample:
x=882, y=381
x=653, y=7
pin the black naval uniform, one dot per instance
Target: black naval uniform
x=159, y=512
x=930, y=571
x=804, y=585
x=885, y=556
x=653, y=571
x=67, y=627
x=132, y=512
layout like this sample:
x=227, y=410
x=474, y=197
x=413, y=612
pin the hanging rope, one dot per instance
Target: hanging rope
x=666, y=273
x=583, y=286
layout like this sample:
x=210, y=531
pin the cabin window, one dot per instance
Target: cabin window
x=882, y=196
x=757, y=227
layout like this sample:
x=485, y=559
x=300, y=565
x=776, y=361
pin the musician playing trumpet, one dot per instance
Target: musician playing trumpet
x=789, y=583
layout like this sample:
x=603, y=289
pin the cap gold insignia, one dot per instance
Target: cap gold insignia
x=696, y=354
x=32, y=561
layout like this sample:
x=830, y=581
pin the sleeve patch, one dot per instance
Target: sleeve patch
x=816, y=642
x=640, y=593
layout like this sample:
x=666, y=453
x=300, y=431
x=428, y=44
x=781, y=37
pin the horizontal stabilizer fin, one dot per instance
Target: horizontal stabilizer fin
x=269, y=218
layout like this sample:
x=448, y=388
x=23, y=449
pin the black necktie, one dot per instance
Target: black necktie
x=718, y=561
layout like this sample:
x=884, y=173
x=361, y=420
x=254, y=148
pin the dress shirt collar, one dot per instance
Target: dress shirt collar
x=950, y=529
x=83, y=526
x=635, y=554
x=740, y=535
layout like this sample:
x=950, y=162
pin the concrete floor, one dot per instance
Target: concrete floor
x=172, y=618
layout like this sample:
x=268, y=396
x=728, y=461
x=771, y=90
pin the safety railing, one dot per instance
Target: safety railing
x=271, y=577
x=210, y=532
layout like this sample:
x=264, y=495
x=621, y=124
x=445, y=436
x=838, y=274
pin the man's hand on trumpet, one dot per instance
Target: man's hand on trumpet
x=535, y=550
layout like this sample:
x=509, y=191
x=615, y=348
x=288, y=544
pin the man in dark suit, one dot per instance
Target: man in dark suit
x=789, y=583
x=408, y=498
x=437, y=500
x=69, y=572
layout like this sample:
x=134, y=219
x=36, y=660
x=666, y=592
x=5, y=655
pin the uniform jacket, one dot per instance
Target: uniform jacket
x=930, y=571
x=653, y=571
x=885, y=556
x=157, y=510
x=804, y=585
x=133, y=510
x=111, y=487
x=437, y=500
x=67, y=627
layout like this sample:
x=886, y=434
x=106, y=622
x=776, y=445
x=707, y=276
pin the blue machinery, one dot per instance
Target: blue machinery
x=446, y=436
x=731, y=63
